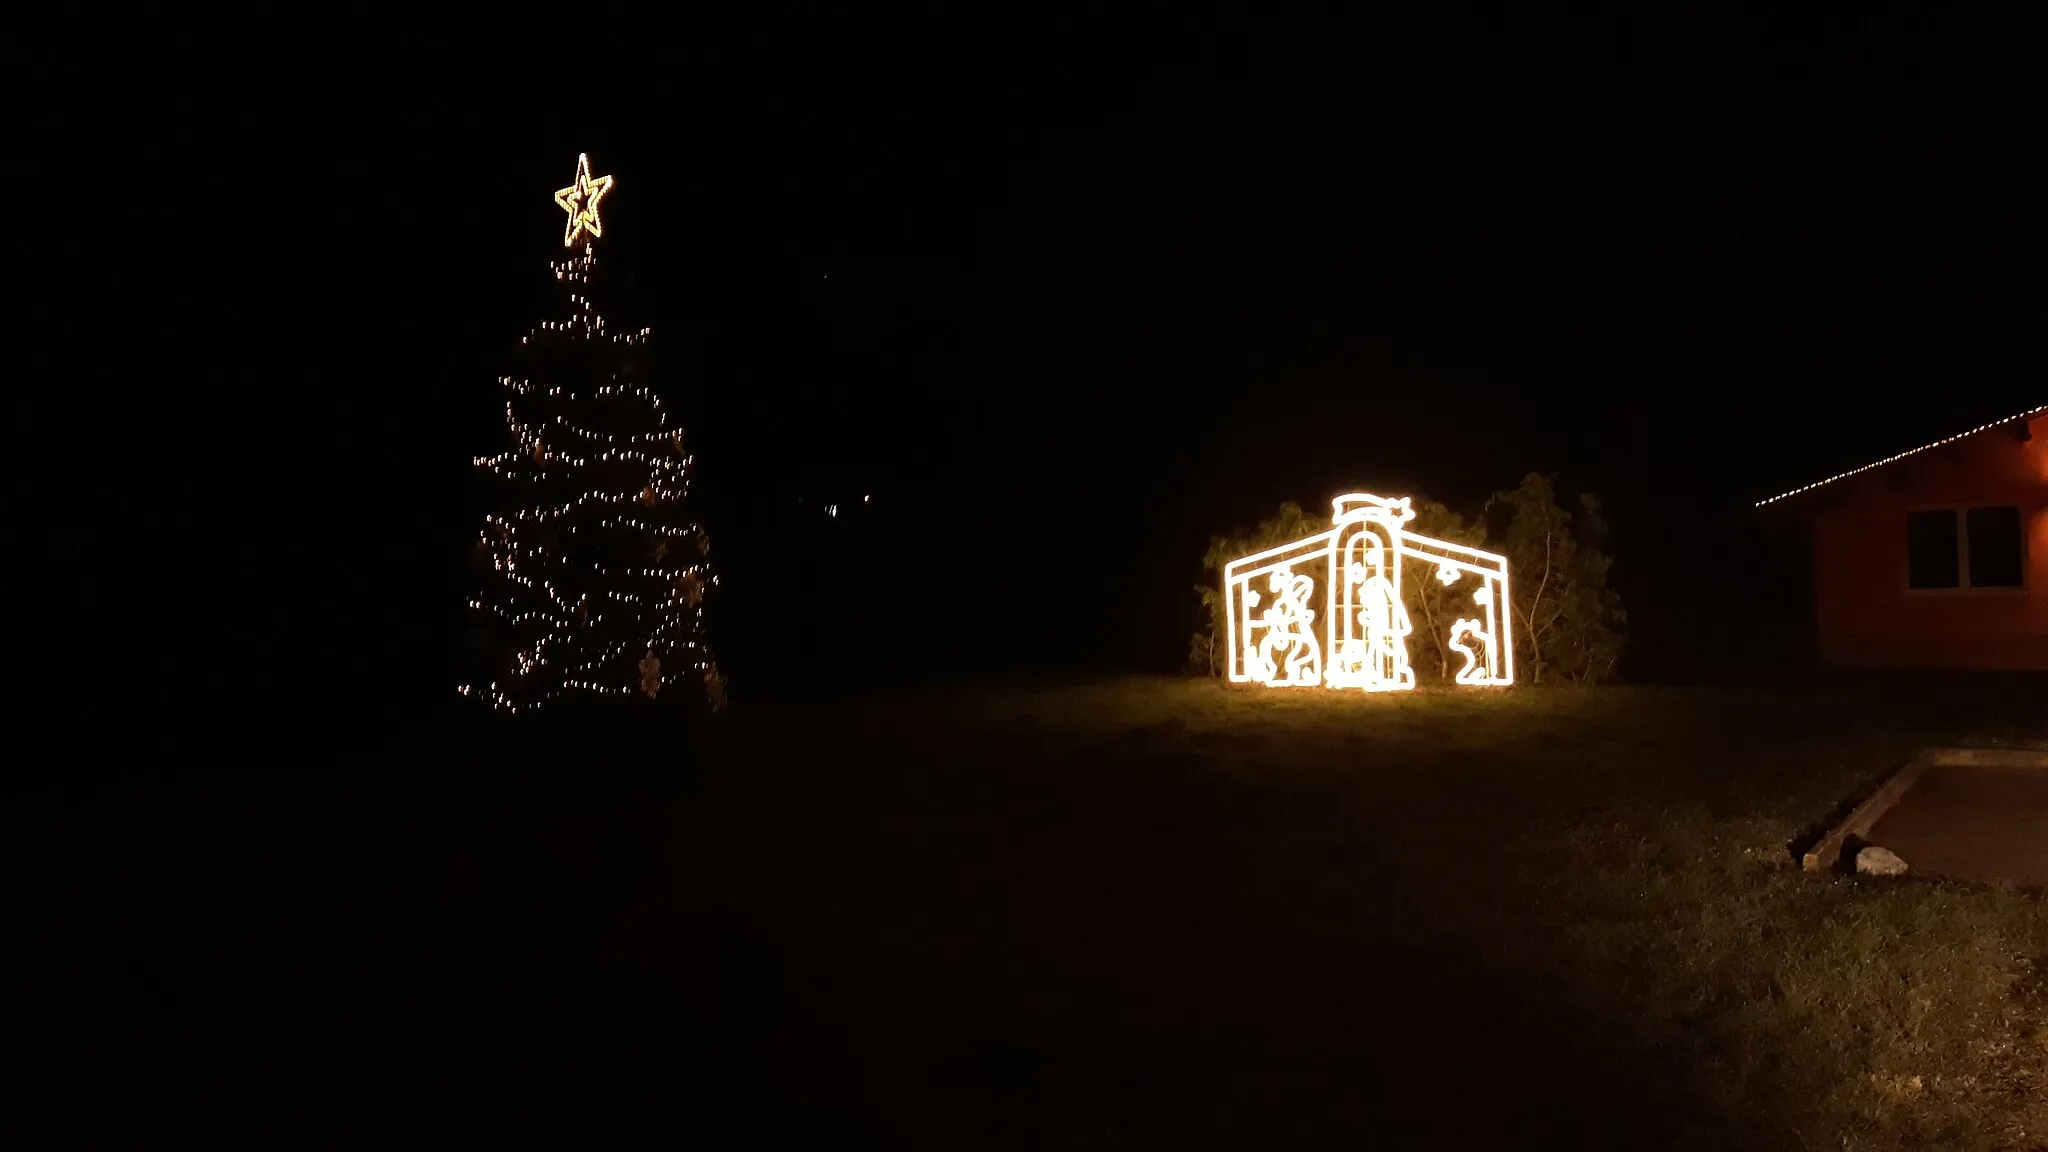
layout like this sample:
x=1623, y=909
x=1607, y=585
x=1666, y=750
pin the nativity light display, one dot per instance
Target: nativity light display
x=593, y=569
x=1327, y=610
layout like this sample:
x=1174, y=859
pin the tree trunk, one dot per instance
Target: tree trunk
x=1536, y=610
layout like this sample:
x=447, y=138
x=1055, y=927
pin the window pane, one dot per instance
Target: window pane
x=1931, y=559
x=1994, y=547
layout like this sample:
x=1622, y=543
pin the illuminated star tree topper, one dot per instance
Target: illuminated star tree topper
x=580, y=199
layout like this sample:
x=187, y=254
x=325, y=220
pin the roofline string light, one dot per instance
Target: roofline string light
x=1365, y=623
x=2028, y=414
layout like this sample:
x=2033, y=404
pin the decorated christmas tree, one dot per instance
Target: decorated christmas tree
x=594, y=569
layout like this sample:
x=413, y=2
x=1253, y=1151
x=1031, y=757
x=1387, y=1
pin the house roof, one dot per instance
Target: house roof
x=2029, y=413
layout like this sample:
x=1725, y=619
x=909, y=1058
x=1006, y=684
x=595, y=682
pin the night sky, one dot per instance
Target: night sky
x=1069, y=293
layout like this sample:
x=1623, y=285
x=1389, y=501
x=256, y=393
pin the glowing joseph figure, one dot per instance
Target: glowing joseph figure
x=1358, y=562
x=1384, y=621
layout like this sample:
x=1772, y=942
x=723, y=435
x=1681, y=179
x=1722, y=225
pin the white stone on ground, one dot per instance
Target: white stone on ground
x=1875, y=861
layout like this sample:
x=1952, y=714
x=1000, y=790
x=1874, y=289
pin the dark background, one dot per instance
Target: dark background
x=1065, y=293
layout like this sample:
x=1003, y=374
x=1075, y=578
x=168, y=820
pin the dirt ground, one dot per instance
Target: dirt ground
x=1977, y=822
x=1146, y=913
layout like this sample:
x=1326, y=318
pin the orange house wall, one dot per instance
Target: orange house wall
x=1868, y=618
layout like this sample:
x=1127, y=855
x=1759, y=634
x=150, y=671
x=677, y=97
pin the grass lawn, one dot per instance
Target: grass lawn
x=1168, y=913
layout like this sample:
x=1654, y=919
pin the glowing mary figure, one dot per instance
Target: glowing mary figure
x=1358, y=562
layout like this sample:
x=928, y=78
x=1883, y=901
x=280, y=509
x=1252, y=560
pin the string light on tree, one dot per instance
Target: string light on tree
x=594, y=571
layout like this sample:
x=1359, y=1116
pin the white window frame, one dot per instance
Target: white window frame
x=1963, y=585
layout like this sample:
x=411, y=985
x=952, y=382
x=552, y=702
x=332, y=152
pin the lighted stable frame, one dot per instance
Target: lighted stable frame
x=1272, y=603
